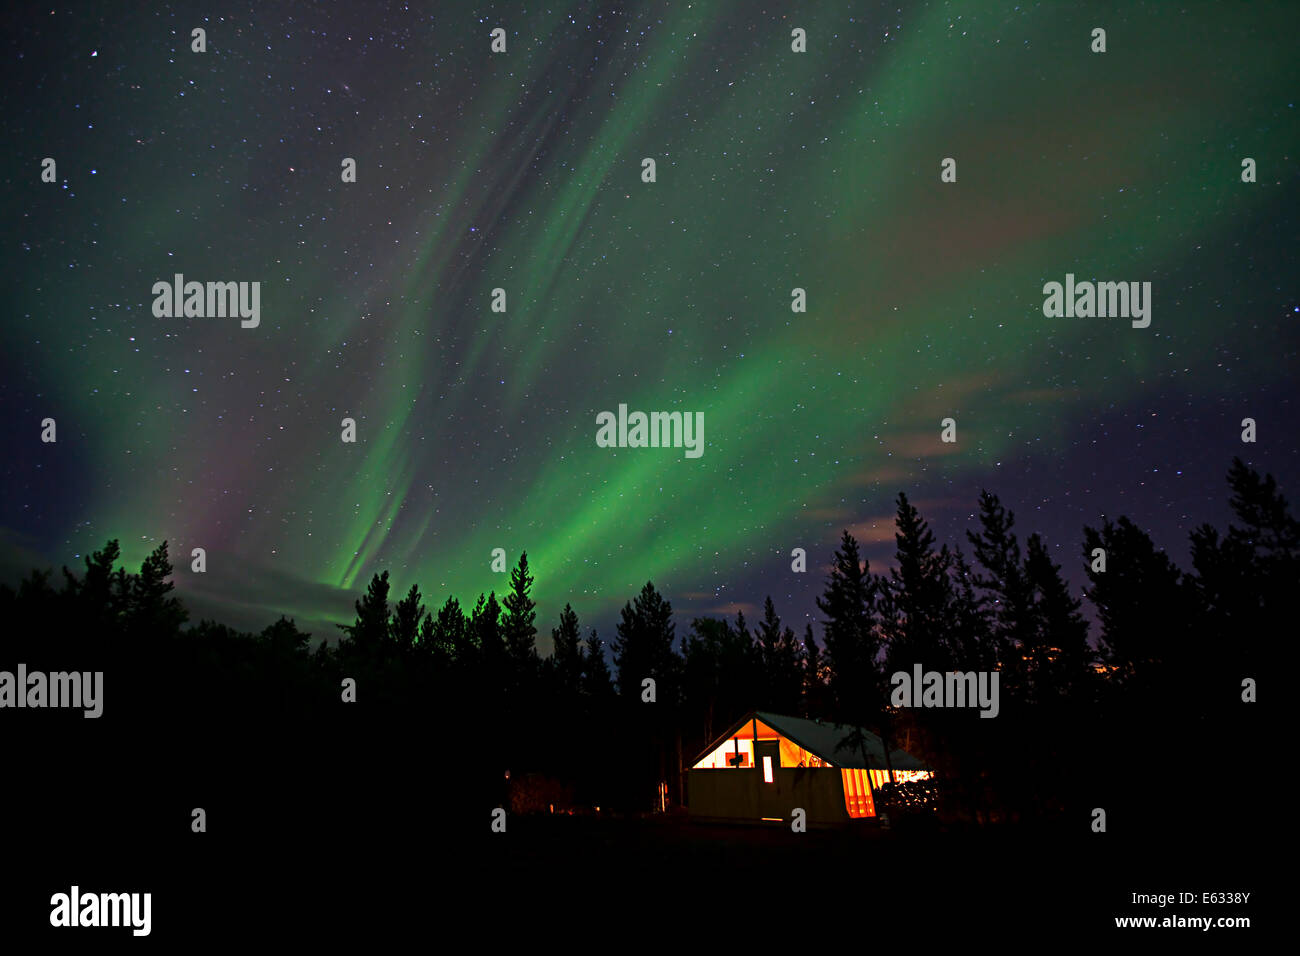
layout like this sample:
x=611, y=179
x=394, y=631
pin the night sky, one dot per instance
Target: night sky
x=522, y=170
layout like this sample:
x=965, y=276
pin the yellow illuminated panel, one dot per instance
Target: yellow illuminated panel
x=857, y=793
x=733, y=754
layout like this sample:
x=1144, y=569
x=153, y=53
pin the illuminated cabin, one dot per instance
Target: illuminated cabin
x=766, y=765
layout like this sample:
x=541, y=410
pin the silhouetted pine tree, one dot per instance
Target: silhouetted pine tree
x=1006, y=592
x=745, y=640
x=1245, y=580
x=561, y=719
x=853, y=644
x=152, y=610
x=597, y=683
x=485, y=633
x=427, y=643
x=644, y=646
x=1060, y=660
x=967, y=752
x=814, y=677
x=1143, y=606
x=369, y=633
x=780, y=662
x=916, y=600
x=644, y=649
x=518, y=622
x=722, y=678
x=451, y=634
x=917, y=607
x=284, y=639
x=970, y=639
x=852, y=638
x=566, y=658
x=284, y=677
x=100, y=599
x=407, y=615
x=600, y=725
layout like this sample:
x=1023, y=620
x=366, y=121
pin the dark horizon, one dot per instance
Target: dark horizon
x=879, y=553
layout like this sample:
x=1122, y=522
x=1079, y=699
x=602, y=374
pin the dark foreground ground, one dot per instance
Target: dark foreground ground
x=623, y=881
x=319, y=838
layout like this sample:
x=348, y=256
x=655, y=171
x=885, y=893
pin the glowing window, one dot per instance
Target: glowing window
x=767, y=769
x=734, y=753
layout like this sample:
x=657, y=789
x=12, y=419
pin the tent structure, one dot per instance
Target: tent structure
x=766, y=765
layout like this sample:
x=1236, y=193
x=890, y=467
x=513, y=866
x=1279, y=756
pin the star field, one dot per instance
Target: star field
x=522, y=171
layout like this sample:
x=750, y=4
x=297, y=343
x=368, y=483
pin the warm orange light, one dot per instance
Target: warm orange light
x=881, y=777
x=732, y=754
x=857, y=793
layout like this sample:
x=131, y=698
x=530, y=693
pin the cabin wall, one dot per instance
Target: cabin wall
x=741, y=796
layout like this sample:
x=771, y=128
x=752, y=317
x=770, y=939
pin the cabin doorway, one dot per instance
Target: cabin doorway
x=767, y=760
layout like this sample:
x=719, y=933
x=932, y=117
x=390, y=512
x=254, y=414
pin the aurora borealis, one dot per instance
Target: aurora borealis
x=522, y=171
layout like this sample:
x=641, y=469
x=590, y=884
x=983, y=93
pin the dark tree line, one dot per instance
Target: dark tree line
x=461, y=693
